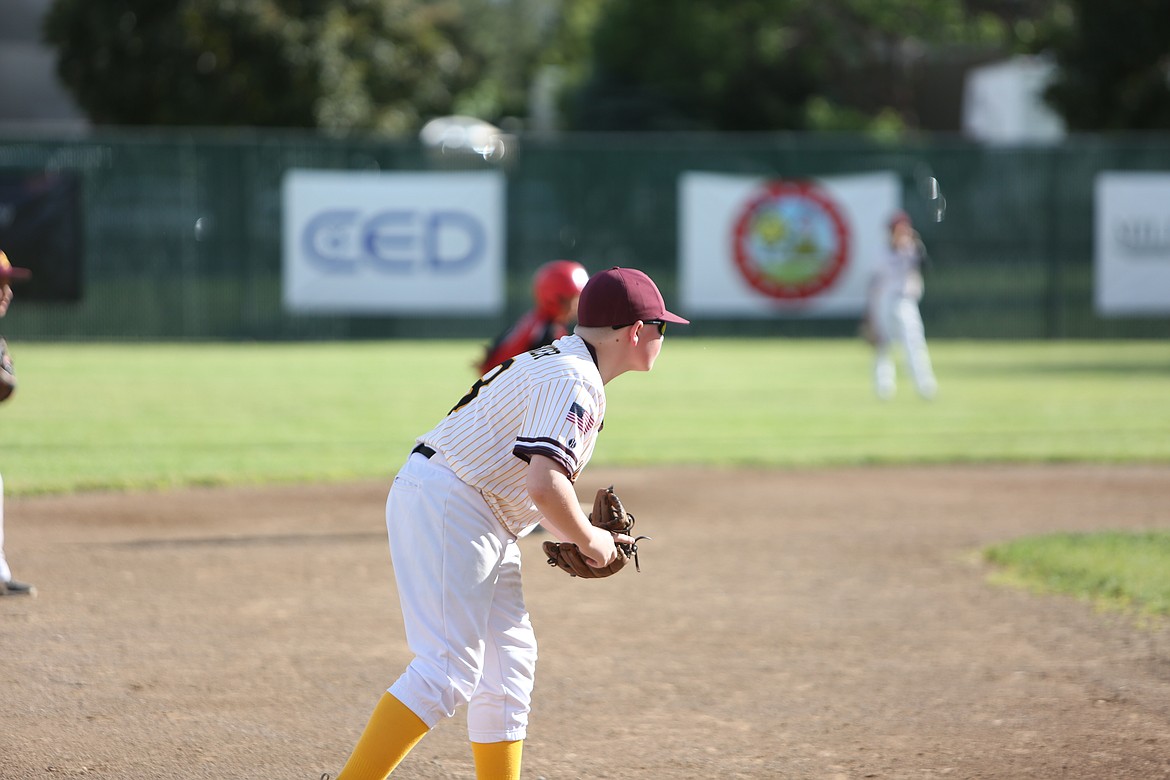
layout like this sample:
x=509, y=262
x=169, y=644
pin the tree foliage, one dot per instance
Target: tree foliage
x=342, y=65
x=709, y=65
x=750, y=65
x=1113, y=64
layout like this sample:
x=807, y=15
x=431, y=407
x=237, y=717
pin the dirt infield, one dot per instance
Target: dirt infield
x=786, y=624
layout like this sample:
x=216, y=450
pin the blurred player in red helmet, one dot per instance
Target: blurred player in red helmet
x=556, y=286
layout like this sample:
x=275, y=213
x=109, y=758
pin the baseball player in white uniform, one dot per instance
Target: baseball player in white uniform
x=894, y=318
x=504, y=459
x=8, y=274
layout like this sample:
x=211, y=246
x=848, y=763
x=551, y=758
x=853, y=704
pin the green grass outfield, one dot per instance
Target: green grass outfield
x=112, y=416
x=147, y=416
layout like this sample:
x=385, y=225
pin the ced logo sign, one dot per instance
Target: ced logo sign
x=790, y=241
x=396, y=241
x=422, y=243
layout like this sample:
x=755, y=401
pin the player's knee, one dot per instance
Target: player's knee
x=437, y=689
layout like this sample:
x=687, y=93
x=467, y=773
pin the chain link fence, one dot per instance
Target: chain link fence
x=181, y=231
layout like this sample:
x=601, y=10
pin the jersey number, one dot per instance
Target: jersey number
x=490, y=376
x=480, y=384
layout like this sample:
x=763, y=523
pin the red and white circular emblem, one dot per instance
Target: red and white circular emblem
x=790, y=241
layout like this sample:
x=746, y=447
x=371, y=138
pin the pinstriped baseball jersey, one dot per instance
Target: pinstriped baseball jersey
x=549, y=401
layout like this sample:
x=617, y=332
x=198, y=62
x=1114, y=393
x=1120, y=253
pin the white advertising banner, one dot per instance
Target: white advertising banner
x=1131, y=267
x=358, y=242
x=755, y=247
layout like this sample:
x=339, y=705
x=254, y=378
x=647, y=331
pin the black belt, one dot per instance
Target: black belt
x=423, y=450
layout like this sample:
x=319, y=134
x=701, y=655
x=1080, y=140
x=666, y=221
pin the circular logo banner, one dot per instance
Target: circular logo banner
x=791, y=241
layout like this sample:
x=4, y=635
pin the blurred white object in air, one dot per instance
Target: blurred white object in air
x=466, y=135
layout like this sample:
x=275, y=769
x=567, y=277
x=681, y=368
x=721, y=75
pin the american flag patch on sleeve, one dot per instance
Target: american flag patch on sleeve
x=581, y=419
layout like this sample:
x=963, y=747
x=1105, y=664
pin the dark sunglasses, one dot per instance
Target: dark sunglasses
x=660, y=323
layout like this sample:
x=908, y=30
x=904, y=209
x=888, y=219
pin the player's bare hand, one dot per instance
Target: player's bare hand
x=602, y=548
x=623, y=539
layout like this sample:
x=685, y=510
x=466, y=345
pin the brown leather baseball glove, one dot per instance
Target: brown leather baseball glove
x=608, y=514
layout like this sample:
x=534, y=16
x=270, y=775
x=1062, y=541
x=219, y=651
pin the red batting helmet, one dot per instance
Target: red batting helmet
x=556, y=282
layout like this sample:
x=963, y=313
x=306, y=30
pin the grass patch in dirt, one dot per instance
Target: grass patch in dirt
x=1127, y=570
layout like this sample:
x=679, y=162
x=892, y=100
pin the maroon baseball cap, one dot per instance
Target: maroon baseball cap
x=9, y=272
x=621, y=296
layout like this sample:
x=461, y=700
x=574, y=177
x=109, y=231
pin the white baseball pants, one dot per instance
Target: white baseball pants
x=5, y=572
x=458, y=576
x=901, y=322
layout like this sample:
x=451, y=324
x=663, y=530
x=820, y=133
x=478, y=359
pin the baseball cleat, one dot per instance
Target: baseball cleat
x=14, y=588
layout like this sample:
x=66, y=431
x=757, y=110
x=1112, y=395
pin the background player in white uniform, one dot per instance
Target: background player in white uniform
x=893, y=315
x=504, y=459
x=9, y=586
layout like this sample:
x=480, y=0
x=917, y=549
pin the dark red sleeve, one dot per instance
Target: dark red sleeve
x=529, y=332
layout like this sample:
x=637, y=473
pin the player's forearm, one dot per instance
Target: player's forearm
x=553, y=494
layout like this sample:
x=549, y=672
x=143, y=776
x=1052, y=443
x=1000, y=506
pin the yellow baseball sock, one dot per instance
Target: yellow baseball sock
x=392, y=731
x=497, y=760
